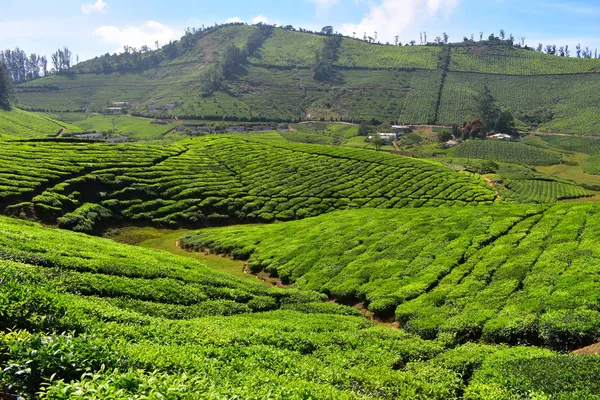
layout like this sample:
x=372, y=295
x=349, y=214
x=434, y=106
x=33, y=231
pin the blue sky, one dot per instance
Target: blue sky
x=94, y=27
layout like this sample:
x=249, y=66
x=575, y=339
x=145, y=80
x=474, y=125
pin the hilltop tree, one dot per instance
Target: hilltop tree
x=327, y=30
x=5, y=88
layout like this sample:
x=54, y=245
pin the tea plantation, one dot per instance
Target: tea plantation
x=504, y=274
x=433, y=84
x=215, y=180
x=144, y=324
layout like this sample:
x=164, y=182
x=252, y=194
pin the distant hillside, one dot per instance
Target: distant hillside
x=272, y=79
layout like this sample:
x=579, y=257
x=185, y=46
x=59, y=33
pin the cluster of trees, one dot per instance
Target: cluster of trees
x=22, y=67
x=5, y=88
x=564, y=51
x=322, y=69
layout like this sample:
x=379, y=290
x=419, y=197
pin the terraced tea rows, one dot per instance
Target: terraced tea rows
x=507, y=60
x=19, y=124
x=222, y=179
x=511, y=274
x=509, y=152
x=541, y=191
x=26, y=168
x=135, y=332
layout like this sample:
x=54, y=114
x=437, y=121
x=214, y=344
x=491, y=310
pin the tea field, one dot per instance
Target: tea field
x=405, y=84
x=86, y=318
x=504, y=274
x=19, y=124
x=215, y=180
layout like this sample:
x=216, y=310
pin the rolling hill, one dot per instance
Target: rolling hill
x=87, y=318
x=504, y=274
x=408, y=84
x=218, y=179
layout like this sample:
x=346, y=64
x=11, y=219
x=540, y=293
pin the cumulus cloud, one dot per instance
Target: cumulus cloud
x=137, y=36
x=254, y=20
x=97, y=7
x=234, y=20
x=404, y=18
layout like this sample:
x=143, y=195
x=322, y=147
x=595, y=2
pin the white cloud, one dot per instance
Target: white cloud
x=405, y=18
x=137, y=36
x=261, y=18
x=254, y=20
x=98, y=7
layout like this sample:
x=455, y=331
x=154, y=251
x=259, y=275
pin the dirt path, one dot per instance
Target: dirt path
x=593, y=349
x=488, y=180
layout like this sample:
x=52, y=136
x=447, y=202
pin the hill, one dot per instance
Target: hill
x=146, y=324
x=408, y=84
x=19, y=124
x=219, y=179
x=504, y=274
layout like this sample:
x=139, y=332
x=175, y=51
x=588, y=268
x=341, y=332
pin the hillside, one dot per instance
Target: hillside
x=141, y=323
x=19, y=124
x=504, y=274
x=408, y=84
x=219, y=179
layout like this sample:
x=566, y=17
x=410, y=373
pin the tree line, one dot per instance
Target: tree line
x=24, y=67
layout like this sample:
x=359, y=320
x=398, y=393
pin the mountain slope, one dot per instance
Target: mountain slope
x=409, y=84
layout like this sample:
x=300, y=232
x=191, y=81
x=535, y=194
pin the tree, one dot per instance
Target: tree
x=502, y=34
x=487, y=109
x=446, y=38
x=5, y=87
x=444, y=136
x=363, y=129
x=337, y=139
x=327, y=30
x=505, y=123
x=232, y=60
x=377, y=141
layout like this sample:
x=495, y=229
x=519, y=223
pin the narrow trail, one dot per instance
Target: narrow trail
x=168, y=240
x=589, y=350
x=489, y=181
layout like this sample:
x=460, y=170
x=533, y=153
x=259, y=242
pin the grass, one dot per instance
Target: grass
x=133, y=128
x=167, y=239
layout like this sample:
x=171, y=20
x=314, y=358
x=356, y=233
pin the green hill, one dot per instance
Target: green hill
x=19, y=124
x=219, y=179
x=86, y=318
x=408, y=84
x=506, y=274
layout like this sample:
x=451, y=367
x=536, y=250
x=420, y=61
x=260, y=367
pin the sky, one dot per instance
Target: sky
x=94, y=27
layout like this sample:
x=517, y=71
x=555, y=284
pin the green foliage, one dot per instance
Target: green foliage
x=541, y=191
x=508, y=60
x=508, y=274
x=214, y=180
x=509, y=152
x=6, y=90
x=19, y=124
x=84, y=218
